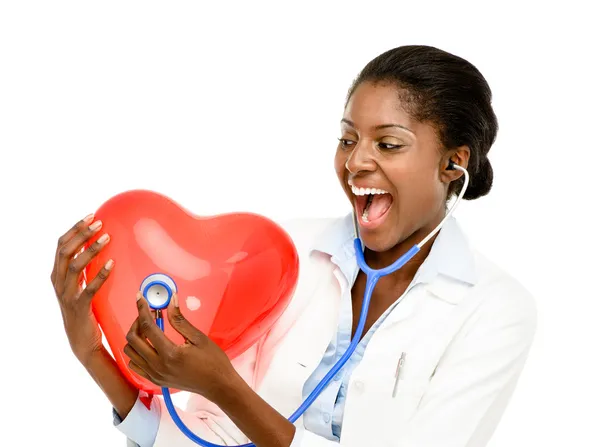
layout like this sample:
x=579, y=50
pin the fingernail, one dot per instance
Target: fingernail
x=96, y=225
x=103, y=239
x=175, y=300
x=87, y=219
x=109, y=264
x=139, y=296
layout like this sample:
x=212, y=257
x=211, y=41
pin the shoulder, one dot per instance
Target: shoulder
x=501, y=296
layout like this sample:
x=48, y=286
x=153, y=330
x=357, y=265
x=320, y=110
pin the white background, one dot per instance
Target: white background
x=235, y=107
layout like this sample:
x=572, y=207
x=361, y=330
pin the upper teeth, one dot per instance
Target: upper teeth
x=363, y=191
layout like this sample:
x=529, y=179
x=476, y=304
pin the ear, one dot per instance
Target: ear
x=459, y=156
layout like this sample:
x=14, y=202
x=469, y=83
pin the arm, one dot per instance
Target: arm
x=153, y=426
x=240, y=417
x=80, y=325
x=255, y=417
x=105, y=372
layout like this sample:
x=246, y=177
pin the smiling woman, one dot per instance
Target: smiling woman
x=446, y=336
x=410, y=111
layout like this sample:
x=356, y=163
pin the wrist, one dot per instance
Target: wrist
x=103, y=369
x=260, y=422
x=231, y=388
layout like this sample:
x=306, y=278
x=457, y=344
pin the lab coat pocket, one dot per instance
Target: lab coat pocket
x=404, y=398
x=398, y=398
x=373, y=413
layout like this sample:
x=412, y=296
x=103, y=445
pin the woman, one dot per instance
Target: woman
x=446, y=336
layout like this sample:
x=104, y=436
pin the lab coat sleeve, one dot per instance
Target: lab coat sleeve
x=140, y=425
x=477, y=375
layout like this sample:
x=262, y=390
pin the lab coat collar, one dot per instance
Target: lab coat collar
x=449, y=267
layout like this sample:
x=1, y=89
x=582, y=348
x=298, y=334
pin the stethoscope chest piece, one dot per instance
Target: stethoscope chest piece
x=158, y=289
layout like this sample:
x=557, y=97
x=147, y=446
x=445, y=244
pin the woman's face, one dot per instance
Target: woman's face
x=383, y=148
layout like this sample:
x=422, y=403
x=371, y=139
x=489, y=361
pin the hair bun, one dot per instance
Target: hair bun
x=481, y=181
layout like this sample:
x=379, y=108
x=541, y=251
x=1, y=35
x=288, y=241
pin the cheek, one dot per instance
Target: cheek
x=418, y=189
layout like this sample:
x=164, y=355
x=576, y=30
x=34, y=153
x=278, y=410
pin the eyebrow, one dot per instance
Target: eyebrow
x=381, y=126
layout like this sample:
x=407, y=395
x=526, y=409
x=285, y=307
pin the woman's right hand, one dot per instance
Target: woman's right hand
x=79, y=321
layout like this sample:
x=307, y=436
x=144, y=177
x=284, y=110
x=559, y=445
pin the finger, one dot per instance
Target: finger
x=138, y=342
x=77, y=265
x=94, y=285
x=66, y=238
x=150, y=330
x=181, y=324
x=66, y=252
x=135, y=357
x=138, y=370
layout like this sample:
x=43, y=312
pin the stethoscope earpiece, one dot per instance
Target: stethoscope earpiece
x=451, y=166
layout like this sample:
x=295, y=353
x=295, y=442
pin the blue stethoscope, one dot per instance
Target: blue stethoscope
x=158, y=289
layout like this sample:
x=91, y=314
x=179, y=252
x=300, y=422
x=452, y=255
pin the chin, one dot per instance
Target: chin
x=380, y=239
x=384, y=234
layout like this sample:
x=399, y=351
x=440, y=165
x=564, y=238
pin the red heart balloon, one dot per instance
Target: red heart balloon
x=235, y=273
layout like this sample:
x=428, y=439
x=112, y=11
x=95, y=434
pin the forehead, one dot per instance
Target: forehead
x=374, y=104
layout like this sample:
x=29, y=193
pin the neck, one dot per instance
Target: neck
x=378, y=260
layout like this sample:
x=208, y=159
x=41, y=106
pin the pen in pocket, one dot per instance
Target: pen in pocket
x=399, y=372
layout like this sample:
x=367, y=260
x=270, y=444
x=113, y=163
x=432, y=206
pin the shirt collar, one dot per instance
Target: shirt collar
x=450, y=256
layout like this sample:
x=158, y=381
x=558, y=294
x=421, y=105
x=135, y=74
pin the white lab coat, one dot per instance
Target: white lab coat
x=465, y=348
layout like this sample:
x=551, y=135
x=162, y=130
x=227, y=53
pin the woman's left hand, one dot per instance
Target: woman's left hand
x=198, y=366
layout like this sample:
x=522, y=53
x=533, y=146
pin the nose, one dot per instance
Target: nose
x=361, y=159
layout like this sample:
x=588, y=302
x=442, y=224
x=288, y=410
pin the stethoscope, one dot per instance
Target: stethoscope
x=158, y=289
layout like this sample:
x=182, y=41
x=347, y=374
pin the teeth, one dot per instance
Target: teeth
x=365, y=215
x=364, y=191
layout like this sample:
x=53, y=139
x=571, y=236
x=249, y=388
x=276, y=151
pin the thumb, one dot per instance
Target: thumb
x=180, y=323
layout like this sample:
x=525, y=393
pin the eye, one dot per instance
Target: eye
x=389, y=147
x=345, y=143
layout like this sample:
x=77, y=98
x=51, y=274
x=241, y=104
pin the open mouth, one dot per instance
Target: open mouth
x=371, y=203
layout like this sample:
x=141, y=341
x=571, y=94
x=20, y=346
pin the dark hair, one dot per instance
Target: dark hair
x=449, y=92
